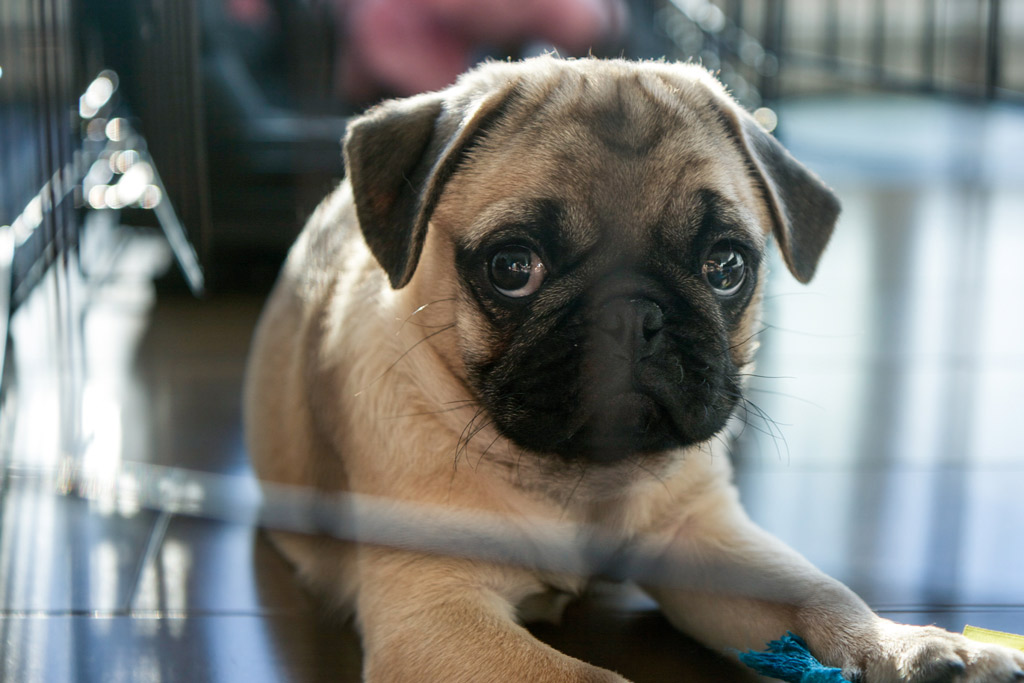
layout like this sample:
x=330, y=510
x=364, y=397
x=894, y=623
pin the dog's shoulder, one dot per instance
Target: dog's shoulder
x=330, y=251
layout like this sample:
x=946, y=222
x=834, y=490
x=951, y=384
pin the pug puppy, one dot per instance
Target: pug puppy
x=536, y=296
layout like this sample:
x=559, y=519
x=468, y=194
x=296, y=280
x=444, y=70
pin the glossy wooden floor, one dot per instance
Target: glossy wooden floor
x=894, y=459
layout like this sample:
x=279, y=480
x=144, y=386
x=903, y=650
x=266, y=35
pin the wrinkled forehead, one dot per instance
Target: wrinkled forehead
x=625, y=158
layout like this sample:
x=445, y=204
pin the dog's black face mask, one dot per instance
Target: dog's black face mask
x=608, y=349
x=593, y=323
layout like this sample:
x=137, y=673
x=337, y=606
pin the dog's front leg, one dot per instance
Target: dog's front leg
x=751, y=588
x=429, y=618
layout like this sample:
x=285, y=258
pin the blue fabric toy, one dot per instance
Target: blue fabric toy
x=788, y=659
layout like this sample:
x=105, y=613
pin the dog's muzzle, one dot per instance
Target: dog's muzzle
x=631, y=382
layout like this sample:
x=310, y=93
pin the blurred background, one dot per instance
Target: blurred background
x=157, y=159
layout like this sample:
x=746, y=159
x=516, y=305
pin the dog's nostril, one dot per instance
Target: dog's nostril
x=651, y=317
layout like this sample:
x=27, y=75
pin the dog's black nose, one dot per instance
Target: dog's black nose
x=634, y=324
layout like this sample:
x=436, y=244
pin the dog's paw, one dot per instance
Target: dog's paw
x=925, y=654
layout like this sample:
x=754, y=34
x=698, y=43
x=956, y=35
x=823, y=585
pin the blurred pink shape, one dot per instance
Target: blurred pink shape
x=409, y=46
x=251, y=12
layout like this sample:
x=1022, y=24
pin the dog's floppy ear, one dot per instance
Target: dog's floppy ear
x=803, y=209
x=398, y=157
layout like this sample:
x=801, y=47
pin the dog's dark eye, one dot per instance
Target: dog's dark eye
x=724, y=270
x=516, y=271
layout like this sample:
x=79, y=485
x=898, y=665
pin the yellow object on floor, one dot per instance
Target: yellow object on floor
x=984, y=635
